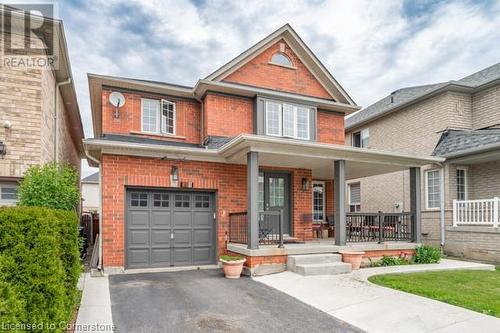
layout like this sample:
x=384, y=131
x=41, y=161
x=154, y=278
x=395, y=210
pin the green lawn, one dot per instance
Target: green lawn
x=474, y=290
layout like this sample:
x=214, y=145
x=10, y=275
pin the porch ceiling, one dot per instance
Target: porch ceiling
x=273, y=152
x=319, y=156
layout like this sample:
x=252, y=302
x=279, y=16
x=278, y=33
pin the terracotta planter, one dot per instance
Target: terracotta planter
x=232, y=269
x=353, y=258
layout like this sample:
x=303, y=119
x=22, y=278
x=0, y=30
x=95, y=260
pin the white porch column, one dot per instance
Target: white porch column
x=415, y=204
x=339, y=194
x=252, y=199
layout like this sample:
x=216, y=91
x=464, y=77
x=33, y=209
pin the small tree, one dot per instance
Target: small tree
x=52, y=185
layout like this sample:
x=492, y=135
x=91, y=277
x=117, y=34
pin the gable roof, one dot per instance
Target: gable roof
x=298, y=46
x=407, y=96
x=462, y=142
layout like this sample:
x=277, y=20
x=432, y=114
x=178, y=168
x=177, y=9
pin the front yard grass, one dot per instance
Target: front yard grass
x=475, y=290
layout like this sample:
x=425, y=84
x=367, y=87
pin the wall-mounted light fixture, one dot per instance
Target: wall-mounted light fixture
x=3, y=149
x=305, y=184
x=174, y=176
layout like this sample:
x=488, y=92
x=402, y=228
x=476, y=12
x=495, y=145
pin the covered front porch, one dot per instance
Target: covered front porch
x=262, y=229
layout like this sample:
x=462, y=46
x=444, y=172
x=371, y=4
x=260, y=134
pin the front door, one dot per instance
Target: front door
x=277, y=195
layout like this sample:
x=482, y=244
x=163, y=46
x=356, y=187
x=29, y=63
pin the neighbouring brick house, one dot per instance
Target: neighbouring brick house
x=39, y=116
x=457, y=120
x=245, y=158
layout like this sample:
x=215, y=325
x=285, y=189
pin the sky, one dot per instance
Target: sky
x=371, y=47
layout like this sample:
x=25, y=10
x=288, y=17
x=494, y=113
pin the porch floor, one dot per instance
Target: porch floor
x=326, y=245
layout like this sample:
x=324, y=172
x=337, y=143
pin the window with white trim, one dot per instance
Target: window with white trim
x=319, y=201
x=432, y=189
x=287, y=120
x=361, y=139
x=354, y=197
x=158, y=116
x=461, y=184
x=281, y=59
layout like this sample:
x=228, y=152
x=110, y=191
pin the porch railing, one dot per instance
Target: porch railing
x=270, y=227
x=379, y=227
x=483, y=212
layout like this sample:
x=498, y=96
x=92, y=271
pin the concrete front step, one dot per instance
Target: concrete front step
x=322, y=258
x=323, y=269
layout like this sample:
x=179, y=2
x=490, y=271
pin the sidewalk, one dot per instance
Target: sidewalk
x=94, y=314
x=351, y=298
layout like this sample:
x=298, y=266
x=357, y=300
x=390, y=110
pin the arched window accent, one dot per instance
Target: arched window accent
x=281, y=59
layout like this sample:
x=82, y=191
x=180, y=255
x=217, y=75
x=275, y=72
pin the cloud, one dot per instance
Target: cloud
x=371, y=47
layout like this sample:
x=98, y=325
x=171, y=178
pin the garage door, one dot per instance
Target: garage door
x=169, y=228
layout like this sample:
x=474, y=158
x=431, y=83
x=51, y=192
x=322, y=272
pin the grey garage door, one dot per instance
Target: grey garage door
x=169, y=228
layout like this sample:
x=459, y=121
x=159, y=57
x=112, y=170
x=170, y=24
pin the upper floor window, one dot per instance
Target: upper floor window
x=461, y=184
x=281, y=59
x=158, y=116
x=283, y=119
x=360, y=139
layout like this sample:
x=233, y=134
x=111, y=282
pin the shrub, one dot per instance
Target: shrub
x=39, y=265
x=52, y=186
x=227, y=257
x=389, y=261
x=427, y=255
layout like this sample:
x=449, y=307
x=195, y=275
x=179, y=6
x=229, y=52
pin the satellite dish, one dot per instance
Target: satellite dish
x=117, y=100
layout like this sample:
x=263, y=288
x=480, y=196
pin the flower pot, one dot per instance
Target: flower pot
x=353, y=258
x=232, y=269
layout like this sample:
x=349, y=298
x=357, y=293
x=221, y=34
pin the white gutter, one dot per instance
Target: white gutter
x=56, y=112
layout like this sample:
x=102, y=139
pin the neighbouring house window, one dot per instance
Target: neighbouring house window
x=461, y=184
x=318, y=201
x=432, y=189
x=360, y=139
x=154, y=121
x=287, y=120
x=354, y=197
x=8, y=193
x=281, y=59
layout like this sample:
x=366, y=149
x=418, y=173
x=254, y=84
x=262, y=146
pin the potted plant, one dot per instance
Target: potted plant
x=353, y=258
x=232, y=266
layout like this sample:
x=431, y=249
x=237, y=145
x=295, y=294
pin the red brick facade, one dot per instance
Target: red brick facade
x=230, y=182
x=259, y=72
x=188, y=120
x=330, y=127
x=215, y=115
x=227, y=115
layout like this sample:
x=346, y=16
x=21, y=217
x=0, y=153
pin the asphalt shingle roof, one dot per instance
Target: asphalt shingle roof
x=405, y=95
x=456, y=141
x=139, y=139
x=93, y=178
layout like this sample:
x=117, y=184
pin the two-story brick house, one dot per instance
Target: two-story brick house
x=39, y=115
x=458, y=120
x=188, y=173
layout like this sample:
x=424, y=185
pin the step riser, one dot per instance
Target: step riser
x=293, y=261
x=325, y=270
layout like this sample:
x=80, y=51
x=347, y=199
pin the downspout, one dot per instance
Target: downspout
x=99, y=265
x=56, y=109
x=442, y=204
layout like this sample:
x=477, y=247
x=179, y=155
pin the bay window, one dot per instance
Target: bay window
x=287, y=120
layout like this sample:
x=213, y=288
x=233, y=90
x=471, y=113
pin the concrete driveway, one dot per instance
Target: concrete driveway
x=204, y=301
x=350, y=297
